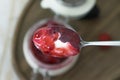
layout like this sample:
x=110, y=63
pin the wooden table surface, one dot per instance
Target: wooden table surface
x=93, y=63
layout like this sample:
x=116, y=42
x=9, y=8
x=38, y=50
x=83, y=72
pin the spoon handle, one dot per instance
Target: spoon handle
x=100, y=43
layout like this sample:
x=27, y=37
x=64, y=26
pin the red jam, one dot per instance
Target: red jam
x=45, y=58
x=55, y=40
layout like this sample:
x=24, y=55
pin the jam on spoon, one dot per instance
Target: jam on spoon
x=55, y=40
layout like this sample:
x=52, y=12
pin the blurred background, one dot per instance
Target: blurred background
x=10, y=11
x=98, y=65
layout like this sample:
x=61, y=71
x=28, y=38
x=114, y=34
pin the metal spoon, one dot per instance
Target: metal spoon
x=98, y=43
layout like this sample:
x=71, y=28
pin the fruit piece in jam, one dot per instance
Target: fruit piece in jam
x=55, y=40
x=45, y=58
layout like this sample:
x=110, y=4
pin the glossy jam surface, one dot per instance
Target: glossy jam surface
x=45, y=58
x=55, y=40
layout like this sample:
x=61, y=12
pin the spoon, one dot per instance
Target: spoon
x=98, y=43
x=87, y=43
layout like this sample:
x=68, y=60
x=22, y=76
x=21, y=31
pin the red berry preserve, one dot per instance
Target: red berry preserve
x=53, y=42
